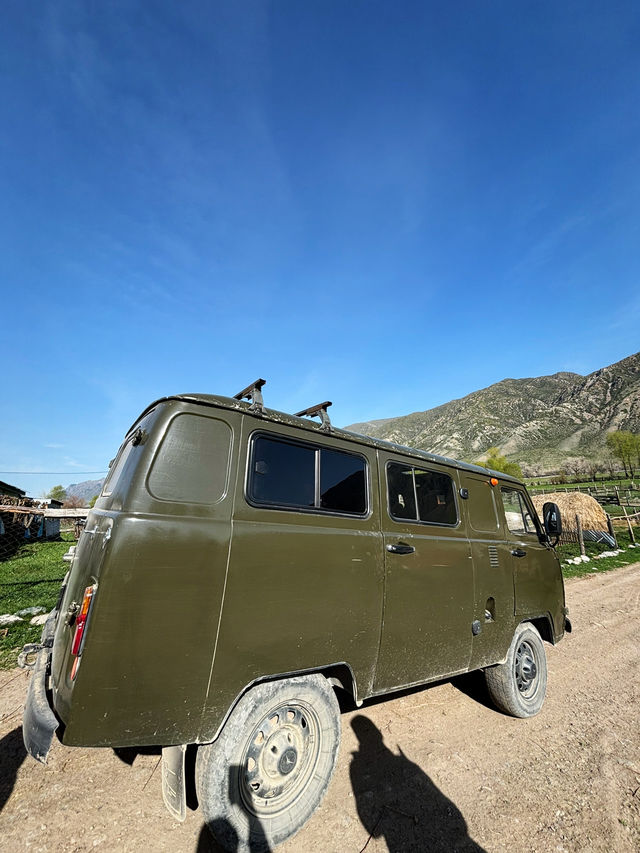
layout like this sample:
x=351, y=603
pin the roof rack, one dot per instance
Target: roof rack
x=319, y=410
x=253, y=392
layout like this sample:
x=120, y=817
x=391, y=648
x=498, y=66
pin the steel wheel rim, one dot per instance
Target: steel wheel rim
x=527, y=669
x=280, y=758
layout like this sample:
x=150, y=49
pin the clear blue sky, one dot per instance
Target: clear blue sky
x=388, y=205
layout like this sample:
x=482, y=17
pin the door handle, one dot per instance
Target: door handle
x=400, y=549
x=518, y=552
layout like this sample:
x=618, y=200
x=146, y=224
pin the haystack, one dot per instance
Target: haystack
x=592, y=516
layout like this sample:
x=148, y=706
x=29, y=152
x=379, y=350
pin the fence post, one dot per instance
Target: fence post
x=632, y=535
x=611, y=530
x=580, y=539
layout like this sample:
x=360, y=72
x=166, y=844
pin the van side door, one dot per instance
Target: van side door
x=428, y=608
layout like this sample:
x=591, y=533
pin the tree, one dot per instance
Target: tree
x=593, y=466
x=57, y=493
x=93, y=500
x=496, y=462
x=73, y=502
x=576, y=466
x=623, y=445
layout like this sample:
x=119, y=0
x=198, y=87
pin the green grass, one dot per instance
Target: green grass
x=31, y=579
x=535, y=484
x=602, y=485
x=605, y=564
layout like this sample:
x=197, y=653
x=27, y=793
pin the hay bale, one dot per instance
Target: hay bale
x=592, y=516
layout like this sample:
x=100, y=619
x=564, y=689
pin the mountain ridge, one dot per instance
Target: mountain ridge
x=537, y=421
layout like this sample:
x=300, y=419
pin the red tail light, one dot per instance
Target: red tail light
x=81, y=620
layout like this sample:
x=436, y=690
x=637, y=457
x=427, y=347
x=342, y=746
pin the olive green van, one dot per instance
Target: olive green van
x=241, y=564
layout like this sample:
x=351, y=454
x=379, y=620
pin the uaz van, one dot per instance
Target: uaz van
x=241, y=564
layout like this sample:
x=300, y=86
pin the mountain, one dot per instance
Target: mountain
x=538, y=422
x=85, y=490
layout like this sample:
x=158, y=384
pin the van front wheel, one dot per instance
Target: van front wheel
x=267, y=772
x=518, y=685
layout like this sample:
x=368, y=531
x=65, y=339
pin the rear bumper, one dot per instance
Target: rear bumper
x=39, y=723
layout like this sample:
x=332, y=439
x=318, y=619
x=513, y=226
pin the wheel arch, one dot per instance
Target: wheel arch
x=544, y=626
x=339, y=675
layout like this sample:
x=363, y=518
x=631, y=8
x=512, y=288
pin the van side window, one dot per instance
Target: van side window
x=293, y=474
x=416, y=494
x=342, y=482
x=402, y=496
x=283, y=474
x=516, y=512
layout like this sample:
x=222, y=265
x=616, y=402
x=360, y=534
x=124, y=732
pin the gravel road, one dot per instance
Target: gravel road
x=431, y=770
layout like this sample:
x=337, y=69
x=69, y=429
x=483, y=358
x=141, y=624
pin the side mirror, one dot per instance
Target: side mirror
x=552, y=519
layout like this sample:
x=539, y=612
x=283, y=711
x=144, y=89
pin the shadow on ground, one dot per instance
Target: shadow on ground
x=397, y=801
x=474, y=685
x=12, y=754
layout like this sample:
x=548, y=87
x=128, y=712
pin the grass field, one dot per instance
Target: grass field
x=537, y=484
x=31, y=579
x=604, y=564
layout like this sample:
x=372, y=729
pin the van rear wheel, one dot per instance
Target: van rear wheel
x=518, y=685
x=267, y=772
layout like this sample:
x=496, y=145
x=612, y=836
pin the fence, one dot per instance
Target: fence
x=629, y=496
x=576, y=535
x=24, y=521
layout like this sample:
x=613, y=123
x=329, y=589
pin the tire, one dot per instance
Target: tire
x=269, y=769
x=518, y=685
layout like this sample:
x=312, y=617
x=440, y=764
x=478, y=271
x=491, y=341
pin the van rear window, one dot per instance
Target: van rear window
x=417, y=494
x=308, y=477
x=192, y=463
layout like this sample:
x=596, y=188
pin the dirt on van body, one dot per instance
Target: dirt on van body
x=431, y=770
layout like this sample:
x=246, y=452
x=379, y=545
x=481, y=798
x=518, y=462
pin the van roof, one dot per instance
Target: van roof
x=274, y=416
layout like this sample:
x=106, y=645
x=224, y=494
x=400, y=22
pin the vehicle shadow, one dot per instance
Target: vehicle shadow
x=12, y=754
x=398, y=802
x=473, y=685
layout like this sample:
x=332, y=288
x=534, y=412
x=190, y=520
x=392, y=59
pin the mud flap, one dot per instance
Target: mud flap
x=173, y=786
x=39, y=723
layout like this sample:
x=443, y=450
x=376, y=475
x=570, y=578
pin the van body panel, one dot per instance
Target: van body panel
x=426, y=629
x=146, y=662
x=492, y=571
x=304, y=590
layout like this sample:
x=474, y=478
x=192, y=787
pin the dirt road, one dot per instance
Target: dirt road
x=433, y=770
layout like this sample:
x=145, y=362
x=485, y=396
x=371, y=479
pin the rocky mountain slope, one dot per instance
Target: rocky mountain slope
x=539, y=422
x=85, y=490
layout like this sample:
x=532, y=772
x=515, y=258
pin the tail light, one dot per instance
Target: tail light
x=81, y=624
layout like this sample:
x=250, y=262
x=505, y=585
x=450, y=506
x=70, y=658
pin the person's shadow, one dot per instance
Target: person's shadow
x=226, y=837
x=12, y=754
x=397, y=801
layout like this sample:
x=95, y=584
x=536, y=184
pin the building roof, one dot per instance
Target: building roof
x=11, y=491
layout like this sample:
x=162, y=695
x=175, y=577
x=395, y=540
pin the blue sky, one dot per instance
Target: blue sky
x=388, y=205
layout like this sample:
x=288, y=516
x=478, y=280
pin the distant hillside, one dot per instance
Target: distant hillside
x=538, y=422
x=85, y=490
